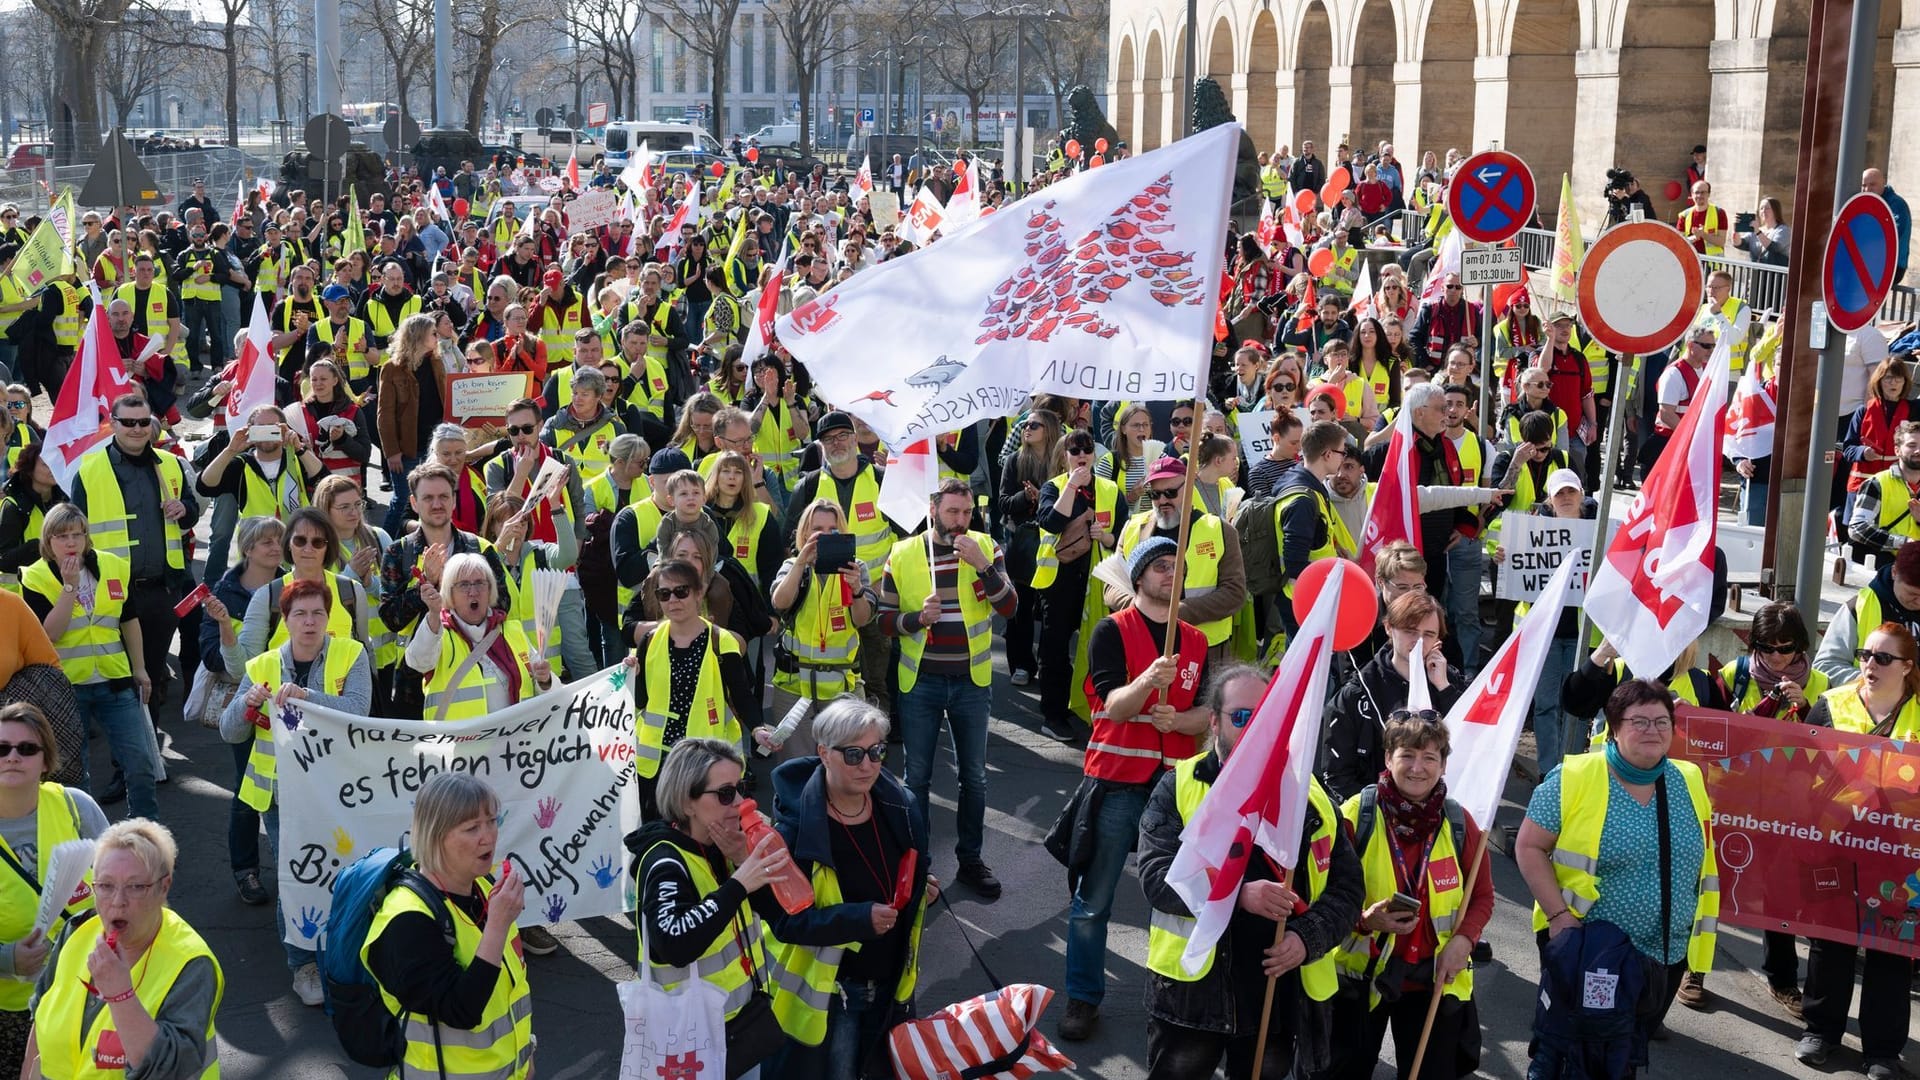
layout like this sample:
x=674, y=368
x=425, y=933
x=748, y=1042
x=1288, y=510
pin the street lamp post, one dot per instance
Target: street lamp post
x=306, y=99
x=1019, y=13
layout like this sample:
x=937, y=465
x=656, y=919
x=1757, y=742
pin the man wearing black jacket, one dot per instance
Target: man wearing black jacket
x=1308, y=525
x=1308, y=172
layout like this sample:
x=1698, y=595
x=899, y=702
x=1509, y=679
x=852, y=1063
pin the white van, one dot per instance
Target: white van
x=784, y=133
x=622, y=137
x=557, y=144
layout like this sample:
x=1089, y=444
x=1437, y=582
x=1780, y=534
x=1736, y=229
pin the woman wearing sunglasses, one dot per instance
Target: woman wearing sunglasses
x=1080, y=515
x=855, y=832
x=1356, y=721
x=313, y=552
x=694, y=680
x=1021, y=500
x=476, y=660
x=1414, y=843
x=821, y=614
x=36, y=816
x=702, y=891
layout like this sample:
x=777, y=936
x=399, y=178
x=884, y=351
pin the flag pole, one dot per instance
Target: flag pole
x=1266, y=1009
x=1433, y=1002
x=1180, y=564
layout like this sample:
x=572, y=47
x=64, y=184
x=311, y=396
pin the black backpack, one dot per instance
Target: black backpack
x=1370, y=802
x=1256, y=523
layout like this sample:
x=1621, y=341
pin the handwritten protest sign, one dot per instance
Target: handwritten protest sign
x=1817, y=831
x=885, y=206
x=1535, y=546
x=562, y=765
x=595, y=209
x=42, y=258
x=479, y=397
x=1255, y=441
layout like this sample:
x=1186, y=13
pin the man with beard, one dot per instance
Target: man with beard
x=1447, y=491
x=938, y=596
x=853, y=480
x=1347, y=491
x=1216, y=580
x=1883, y=508
x=292, y=317
x=1308, y=526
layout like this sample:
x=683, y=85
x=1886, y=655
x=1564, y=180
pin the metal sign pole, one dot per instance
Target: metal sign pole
x=1629, y=377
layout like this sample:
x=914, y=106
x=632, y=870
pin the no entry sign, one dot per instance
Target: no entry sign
x=1858, y=270
x=1491, y=196
x=1639, y=287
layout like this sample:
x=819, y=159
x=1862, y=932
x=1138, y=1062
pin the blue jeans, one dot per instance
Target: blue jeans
x=130, y=738
x=1554, y=732
x=1753, y=500
x=397, y=482
x=856, y=1022
x=1114, y=830
x=296, y=956
x=962, y=706
x=1466, y=565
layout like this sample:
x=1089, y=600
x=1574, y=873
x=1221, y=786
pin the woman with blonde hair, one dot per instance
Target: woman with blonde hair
x=749, y=528
x=413, y=399
x=821, y=612
x=694, y=435
x=1134, y=449
x=332, y=421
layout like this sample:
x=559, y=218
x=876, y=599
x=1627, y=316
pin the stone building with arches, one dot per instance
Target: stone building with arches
x=1574, y=86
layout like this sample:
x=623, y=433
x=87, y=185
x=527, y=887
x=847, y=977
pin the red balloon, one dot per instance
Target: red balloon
x=1339, y=180
x=1303, y=203
x=1073, y=148
x=1320, y=262
x=753, y=154
x=1359, y=607
x=1330, y=195
x=1100, y=145
x=1674, y=191
x=719, y=170
x=460, y=207
x=1097, y=161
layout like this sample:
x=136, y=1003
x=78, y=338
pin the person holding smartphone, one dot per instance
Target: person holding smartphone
x=822, y=596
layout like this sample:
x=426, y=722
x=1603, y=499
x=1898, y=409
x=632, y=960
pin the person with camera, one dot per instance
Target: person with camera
x=1625, y=200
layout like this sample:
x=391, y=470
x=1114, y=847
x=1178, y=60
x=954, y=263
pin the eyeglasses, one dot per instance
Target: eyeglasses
x=133, y=421
x=1647, y=723
x=1168, y=494
x=672, y=592
x=24, y=749
x=520, y=429
x=876, y=753
x=1239, y=717
x=1425, y=716
x=307, y=540
x=1454, y=288
x=1076, y=451
x=132, y=890
x=1881, y=658
x=1181, y=421
x=471, y=586
x=1784, y=648
x=726, y=793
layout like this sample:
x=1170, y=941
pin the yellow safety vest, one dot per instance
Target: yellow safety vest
x=66, y=325
x=872, y=533
x=603, y=494
x=1443, y=892
x=469, y=699
x=1339, y=540
x=589, y=448
x=1342, y=261
x=708, y=715
x=727, y=301
x=36, y=519
x=1681, y=684
x=271, y=269
x=743, y=536
x=357, y=368
x=73, y=1052
x=382, y=322
x=1850, y=713
x=913, y=582
x=649, y=393
x=556, y=330
x=90, y=650
x=1167, y=933
x=810, y=974
x=724, y=964
x=520, y=603
x=500, y=1046
x=340, y=617
x=1584, y=783
x=11, y=292
x=1273, y=183
x=1206, y=544
x=193, y=288
x=778, y=440
x=1380, y=377
x=1894, y=496
x=824, y=642
x=276, y=499
x=1106, y=503
x=1817, y=684
x=57, y=821
x=157, y=323
x=257, y=782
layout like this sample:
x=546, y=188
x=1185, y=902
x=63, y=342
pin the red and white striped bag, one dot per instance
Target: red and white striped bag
x=994, y=1036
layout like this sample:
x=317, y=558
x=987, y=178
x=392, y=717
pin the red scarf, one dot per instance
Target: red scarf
x=499, y=652
x=1877, y=424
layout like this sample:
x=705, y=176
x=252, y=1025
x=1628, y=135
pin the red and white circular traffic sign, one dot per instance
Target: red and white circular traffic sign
x=1491, y=197
x=1639, y=287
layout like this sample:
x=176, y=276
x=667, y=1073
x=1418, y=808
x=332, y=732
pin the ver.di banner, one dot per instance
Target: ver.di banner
x=561, y=764
x=1818, y=831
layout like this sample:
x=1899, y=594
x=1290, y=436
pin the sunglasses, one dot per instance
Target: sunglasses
x=1240, y=717
x=852, y=754
x=306, y=540
x=520, y=429
x=672, y=592
x=1454, y=288
x=726, y=793
x=1784, y=648
x=18, y=404
x=1181, y=421
x=25, y=749
x=1167, y=494
x=134, y=421
x=1883, y=659
x=1286, y=387
x=1078, y=450
x=1425, y=716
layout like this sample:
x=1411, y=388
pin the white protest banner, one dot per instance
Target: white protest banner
x=594, y=210
x=1535, y=546
x=478, y=397
x=562, y=765
x=1256, y=441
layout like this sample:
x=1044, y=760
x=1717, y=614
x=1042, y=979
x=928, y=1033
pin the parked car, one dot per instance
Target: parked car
x=787, y=158
x=30, y=155
x=682, y=162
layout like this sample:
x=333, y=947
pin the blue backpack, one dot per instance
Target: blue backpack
x=370, y=1033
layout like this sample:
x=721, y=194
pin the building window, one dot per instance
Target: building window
x=657, y=58
x=745, y=29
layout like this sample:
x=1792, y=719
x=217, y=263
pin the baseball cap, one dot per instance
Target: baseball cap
x=832, y=422
x=1144, y=553
x=334, y=292
x=1167, y=468
x=1561, y=479
x=553, y=277
x=667, y=462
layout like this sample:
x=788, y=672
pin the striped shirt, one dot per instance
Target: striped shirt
x=947, y=652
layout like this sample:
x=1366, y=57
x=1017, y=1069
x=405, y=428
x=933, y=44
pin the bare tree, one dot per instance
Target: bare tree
x=140, y=56
x=606, y=31
x=27, y=89
x=1069, y=49
x=816, y=33
x=483, y=25
x=707, y=28
x=974, y=54
x=404, y=29
x=279, y=35
x=80, y=32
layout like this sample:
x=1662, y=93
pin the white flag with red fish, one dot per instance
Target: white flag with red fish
x=80, y=414
x=1651, y=591
x=1394, y=513
x=923, y=218
x=1102, y=286
x=1750, y=416
x=253, y=372
x=1484, y=725
x=766, y=309
x=1260, y=797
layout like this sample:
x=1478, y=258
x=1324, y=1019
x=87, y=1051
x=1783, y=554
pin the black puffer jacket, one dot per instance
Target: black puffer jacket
x=1351, y=754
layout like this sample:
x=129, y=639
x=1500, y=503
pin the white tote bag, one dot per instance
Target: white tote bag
x=677, y=1034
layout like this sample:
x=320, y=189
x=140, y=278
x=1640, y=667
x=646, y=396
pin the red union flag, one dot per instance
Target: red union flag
x=1750, y=416
x=1101, y=286
x=253, y=372
x=765, y=311
x=79, y=420
x=1394, y=513
x=1484, y=725
x=1260, y=797
x=1651, y=591
x=924, y=217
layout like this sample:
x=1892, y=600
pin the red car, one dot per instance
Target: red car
x=30, y=155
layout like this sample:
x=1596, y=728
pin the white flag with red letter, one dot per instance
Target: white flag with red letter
x=923, y=218
x=1484, y=725
x=863, y=180
x=1394, y=513
x=964, y=204
x=1445, y=261
x=908, y=482
x=765, y=310
x=253, y=371
x=1651, y=591
x=1363, y=292
x=1260, y=796
x=634, y=176
x=1750, y=416
x=1103, y=286
x=689, y=213
x=80, y=414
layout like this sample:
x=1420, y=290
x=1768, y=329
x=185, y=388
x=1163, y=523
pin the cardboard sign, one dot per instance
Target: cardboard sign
x=484, y=397
x=1255, y=440
x=596, y=209
x=1535, y=545
x=885, y=206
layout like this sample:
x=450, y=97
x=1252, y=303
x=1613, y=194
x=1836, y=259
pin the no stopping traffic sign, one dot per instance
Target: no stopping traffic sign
x=1858, y=270
x=1491, y=196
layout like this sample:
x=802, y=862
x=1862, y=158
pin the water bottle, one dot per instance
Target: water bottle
x=791, y=888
